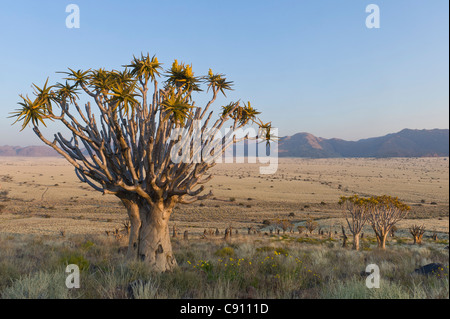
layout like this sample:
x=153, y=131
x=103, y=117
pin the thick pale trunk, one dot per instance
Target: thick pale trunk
x=382, y=241
x=417, y=239
x=135, y=225
x=149, y=235
x=356, y=241
x=154, y=246
x=381, y=235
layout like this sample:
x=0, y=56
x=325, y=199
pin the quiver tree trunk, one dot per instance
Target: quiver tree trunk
x=383, y=241
x=344, y=243
x=154, y=246
x=135, y=224
x=149, y=235
x=356, y=241
x=175, y=231
x=418, y=239
x=381, y=235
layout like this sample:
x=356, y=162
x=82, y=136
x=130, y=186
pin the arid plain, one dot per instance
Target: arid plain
x=43, y=196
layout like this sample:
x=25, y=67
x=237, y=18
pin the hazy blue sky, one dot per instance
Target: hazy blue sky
x=309, y=66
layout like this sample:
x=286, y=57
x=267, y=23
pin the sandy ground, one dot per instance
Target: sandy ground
x=43, y=195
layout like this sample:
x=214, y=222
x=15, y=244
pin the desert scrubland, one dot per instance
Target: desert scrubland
x=43, y=195
x=49, y=219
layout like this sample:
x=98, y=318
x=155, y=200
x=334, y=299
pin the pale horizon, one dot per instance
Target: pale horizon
x=40, y=143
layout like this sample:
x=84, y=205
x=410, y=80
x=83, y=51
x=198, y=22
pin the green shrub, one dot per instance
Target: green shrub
x=225, y=252
x=401, y=241
x=264, y=249
x=75, y=258
x=87, y=245
x=309, y=240
x=8, y=272
x=38, y=285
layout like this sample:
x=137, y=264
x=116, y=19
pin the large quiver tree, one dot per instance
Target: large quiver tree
x=125, y=146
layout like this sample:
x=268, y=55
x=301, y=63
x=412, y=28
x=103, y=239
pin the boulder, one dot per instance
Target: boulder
x=433, y=269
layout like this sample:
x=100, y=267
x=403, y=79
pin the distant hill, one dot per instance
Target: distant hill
x=406, y=143
x=28, y=151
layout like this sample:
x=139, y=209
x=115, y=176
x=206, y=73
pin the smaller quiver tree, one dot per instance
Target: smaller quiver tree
x=384, y=214
x=311, y=225
x=285, y=225
x=356, y=214
x=417, y=233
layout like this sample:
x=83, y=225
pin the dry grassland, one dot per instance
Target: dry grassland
x=43, y=196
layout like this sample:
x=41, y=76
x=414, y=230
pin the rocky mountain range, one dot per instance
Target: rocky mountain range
x=27, y=151
x=406, y=143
